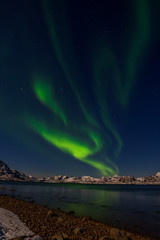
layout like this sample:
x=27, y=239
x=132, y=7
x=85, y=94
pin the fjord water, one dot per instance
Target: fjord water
x=135, y=208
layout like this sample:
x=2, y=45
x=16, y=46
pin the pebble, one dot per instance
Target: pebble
x=59, y=219
x=59, y=236
x=105, y=238
x=78, y=230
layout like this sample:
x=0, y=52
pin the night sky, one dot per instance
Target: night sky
x=80, y=87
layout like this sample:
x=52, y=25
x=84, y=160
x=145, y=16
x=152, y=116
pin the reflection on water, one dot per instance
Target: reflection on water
x=94, y=203
x=133, y=207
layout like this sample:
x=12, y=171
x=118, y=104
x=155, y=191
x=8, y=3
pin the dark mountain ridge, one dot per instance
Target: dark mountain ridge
x=6, y=174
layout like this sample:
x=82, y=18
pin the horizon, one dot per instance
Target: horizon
x=70, y=176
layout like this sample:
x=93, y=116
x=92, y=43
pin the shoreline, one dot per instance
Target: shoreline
x=81, y=183
x=49, y=223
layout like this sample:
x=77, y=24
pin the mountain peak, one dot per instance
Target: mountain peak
x=6, y=174
x=157, y=174
x=4, y=169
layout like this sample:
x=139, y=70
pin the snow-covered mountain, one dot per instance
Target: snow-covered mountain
x=6, y=174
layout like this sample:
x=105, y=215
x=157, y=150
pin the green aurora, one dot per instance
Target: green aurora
x=83, y=138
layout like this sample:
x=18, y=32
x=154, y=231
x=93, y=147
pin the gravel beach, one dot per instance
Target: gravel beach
x=52, y=224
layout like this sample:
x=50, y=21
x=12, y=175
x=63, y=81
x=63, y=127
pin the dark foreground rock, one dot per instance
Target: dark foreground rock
x=52, y=224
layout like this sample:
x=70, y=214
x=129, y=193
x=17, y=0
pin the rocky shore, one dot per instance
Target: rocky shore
x=54, y=224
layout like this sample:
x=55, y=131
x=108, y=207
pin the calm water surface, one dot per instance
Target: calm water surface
x=133, y=207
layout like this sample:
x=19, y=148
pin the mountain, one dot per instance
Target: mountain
x=154, y=179
x=6, y=174
x=4, y=169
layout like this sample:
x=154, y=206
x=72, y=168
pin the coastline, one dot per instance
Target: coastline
x=83, y=183
x=56, y=224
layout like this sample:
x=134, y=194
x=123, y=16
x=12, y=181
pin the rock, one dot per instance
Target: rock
x=65, y=236
x=59, y=219
x=90, y=237
x=33, y=238
x=71, y=212
x=36, y=237
x=59, y=236
x=116, y=234
x=51, y=214
x=78, y=230
x=125, y=237
x=11, y=226
x=105, y=238
x=119, y=235
x=86, y=218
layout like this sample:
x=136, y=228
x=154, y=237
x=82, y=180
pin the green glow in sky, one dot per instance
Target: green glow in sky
x=44, y=93
x=84, y=139
x=72, y=145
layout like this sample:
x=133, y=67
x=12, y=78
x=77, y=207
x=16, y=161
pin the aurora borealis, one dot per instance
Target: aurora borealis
x=79, y=86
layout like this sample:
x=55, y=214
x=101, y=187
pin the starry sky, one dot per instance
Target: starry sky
x=80, y=87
